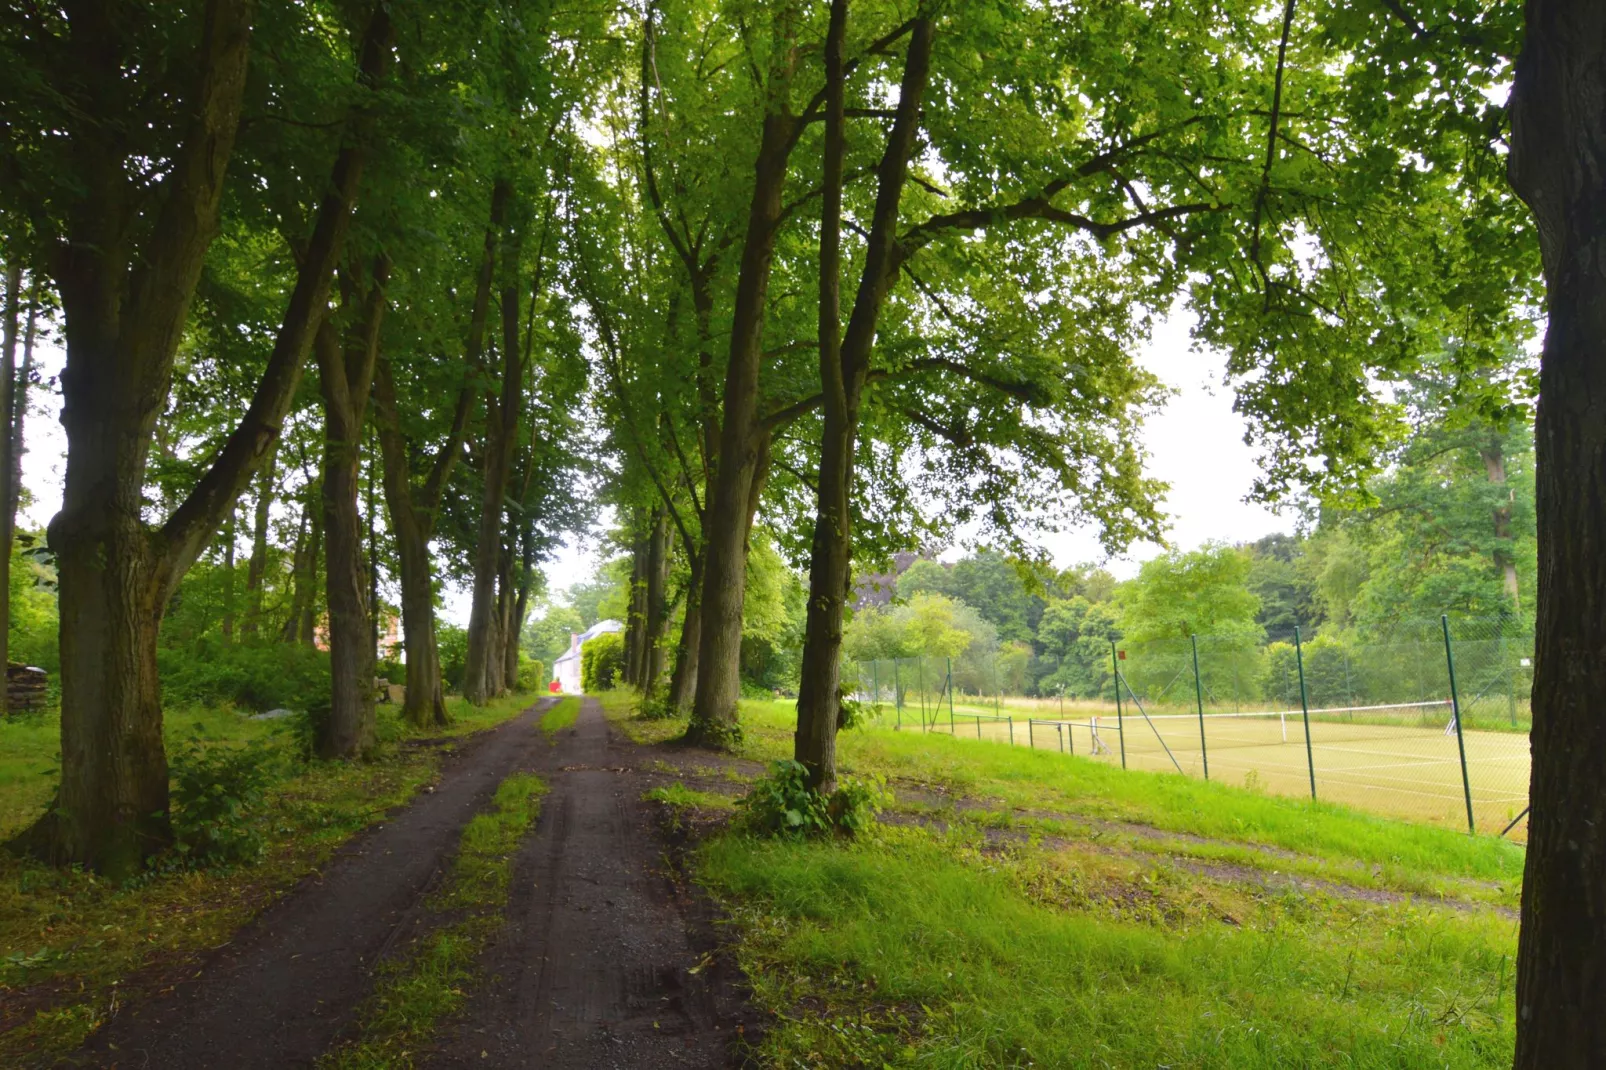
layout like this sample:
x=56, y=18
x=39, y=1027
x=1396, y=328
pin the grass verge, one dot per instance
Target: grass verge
x=560, y=716
x=420, y=989
x=938, y=949
x=73, y=947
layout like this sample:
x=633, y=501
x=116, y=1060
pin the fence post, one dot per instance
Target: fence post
x=1120, y=729
x=1198, y=695
x=1304, y=709
x=1012, y=730
x=1031, y=733
x=1455, y=711
x=875, y=683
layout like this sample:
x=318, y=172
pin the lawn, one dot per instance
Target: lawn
x=1022, y=907
x=69, y=942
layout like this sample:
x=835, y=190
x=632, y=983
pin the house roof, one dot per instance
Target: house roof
x=602, y=627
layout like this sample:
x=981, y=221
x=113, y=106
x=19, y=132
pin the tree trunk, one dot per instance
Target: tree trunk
x=19, y=410
x=656, y=602
x=1558, y=109
x=636, y=614
x=1494, y=463
x=257, y=570
x=307, y=583
x=345, y=374
x=501, y=422
x=844, y=368
x=228, y=578
x=413, y=512
x=683, y=681
x=9, y=462
x=714, y=719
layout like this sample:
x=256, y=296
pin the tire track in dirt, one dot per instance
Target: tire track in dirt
x=605, y=960
x=287, y=985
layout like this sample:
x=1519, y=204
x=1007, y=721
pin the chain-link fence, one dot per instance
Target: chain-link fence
x=1429, y=723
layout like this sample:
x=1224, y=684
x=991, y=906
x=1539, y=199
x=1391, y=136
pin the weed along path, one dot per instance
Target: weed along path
x=604, y=961
x=286, y=987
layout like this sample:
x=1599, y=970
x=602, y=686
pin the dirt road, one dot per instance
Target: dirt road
x=604, y=960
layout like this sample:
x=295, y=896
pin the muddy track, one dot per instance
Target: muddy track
x=606, y=960
x=288, y=984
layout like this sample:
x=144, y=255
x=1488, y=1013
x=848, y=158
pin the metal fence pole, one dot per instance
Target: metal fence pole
x=1120, y=730
x=1455, y=711
x=1031, y=733
x=1198, y=695
x=1012, y=730
x=1304, y=708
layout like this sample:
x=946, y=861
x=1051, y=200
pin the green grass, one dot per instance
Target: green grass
x=1017, y=777
x=421, y=988
x=920, y=949
x=71, y=943
x=561, y=715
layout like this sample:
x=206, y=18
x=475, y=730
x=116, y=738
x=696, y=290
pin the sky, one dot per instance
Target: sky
x=1195, y=444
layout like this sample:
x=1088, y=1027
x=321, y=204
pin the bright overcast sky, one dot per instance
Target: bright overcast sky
x=1195, y=444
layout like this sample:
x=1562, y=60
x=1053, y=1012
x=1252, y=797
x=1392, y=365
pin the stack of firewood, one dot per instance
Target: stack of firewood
x=25, y=687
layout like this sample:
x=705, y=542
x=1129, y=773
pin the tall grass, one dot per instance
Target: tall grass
x=909, y=950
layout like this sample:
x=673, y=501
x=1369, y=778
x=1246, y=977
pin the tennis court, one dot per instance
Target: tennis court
x=1402, y=760
x=1383, y=724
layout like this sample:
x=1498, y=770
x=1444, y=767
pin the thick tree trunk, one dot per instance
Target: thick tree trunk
x=844, y=369
x=257, y=570
x=742, y=446
x=1558, y=142
x=345, y=375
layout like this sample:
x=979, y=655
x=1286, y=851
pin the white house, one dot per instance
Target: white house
x=566, y=670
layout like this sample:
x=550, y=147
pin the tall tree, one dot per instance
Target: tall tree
x=345, y=375
x=126, y=259
x=1558, y=111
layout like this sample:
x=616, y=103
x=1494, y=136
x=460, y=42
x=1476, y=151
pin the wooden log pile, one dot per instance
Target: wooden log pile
x=25, y=687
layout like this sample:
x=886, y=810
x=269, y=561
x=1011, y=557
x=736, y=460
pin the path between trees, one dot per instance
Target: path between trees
x=604, y=960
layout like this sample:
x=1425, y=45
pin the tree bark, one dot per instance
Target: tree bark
x=345, y=374
x=228, y=578
x=844, y=369
x=683, y=680
x=257, y=569
x=714, y=719
x=9, y=462
x=124, y=311
x=1558, y=109
x=1494, y=464
x=483, y=661
x=656, y=602
x=413, y=511
x=636, y=614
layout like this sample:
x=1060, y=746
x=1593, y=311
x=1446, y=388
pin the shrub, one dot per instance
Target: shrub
x=602, y=660
x=256, y=677
x=532, y=674
x=215, y=788
x=783, y=804
x=452, y=644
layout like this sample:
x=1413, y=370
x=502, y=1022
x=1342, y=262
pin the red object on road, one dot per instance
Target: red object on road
x=554, y=687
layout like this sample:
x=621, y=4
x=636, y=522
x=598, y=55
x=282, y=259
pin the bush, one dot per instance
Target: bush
x=532, y=674
x=602, y=660
x=783, y=804
x=451, y=643
x=256, y=677
x=215, y=788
